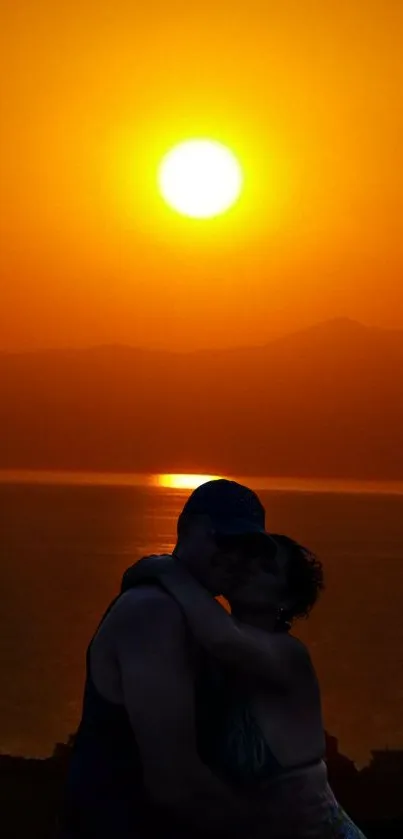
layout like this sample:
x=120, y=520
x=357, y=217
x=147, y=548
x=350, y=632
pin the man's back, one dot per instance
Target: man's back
x=105, y=791
x=137, y=623
x=135, y=765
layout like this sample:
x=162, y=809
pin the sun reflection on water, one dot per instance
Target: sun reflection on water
x=183, y=481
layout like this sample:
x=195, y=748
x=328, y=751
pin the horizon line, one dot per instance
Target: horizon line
x=316, y=485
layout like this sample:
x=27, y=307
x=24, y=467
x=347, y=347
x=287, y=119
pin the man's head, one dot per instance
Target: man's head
x=220, y=517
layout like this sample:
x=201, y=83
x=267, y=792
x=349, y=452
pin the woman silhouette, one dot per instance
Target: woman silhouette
x=259, y=710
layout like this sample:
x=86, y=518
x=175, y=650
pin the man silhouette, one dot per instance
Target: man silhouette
x=135, y=768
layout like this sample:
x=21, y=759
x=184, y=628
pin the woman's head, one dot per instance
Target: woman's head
x=285, y=582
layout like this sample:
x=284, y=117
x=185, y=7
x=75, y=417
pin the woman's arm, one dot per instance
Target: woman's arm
x=252, y=650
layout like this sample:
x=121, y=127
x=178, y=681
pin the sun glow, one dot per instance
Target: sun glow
x=184, y=481
x=200, y=178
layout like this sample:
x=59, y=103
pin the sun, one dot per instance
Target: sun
x=200, y=178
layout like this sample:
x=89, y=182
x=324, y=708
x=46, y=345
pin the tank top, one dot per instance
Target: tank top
x=229, y=738
x=105, y=794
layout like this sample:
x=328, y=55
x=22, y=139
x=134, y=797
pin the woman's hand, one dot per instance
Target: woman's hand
x=152, y=567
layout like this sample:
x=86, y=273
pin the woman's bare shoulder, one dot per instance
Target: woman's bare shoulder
x=284, y=644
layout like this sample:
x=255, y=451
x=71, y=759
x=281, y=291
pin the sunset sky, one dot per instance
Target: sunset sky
x=306, y=93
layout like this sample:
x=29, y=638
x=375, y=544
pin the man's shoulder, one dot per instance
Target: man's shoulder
x=150, y=593
x=146, y=604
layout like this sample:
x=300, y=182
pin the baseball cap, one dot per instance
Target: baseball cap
x=234, y=509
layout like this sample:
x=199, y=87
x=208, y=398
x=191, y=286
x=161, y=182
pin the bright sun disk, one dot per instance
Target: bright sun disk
x=200, y=178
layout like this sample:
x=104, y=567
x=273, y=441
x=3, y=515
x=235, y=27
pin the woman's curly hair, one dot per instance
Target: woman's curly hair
x=305, y=578
x=303, y=570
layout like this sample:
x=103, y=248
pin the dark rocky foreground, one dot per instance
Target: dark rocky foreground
x=31, y=790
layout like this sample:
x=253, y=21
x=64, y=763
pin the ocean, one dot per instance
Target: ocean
x=63, y=548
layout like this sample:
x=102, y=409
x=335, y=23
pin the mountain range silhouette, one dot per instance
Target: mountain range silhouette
x=323, y=402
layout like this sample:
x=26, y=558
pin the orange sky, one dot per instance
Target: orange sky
x=309, y=96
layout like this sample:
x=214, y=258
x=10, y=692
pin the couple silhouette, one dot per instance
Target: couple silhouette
x=199, y=720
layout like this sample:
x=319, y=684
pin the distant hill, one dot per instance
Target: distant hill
x=323, y=402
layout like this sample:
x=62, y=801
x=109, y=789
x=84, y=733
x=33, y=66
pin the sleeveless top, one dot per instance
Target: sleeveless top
x=229, y=738
x=105, y=794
